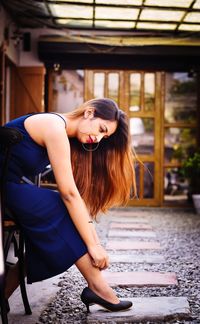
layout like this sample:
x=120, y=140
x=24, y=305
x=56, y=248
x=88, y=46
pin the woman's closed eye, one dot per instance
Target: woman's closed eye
x=103, y=130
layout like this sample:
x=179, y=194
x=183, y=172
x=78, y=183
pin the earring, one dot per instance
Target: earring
x=92, y=149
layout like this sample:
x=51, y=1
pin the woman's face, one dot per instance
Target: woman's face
x=92, y=129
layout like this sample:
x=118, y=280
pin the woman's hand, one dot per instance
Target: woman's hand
x=99, y=256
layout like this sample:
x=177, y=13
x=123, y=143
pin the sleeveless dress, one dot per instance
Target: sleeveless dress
x=52, y=241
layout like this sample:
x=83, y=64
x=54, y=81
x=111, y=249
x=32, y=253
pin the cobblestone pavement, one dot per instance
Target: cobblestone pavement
x=178, y=233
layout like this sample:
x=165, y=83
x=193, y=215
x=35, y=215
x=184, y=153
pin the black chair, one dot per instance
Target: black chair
x=9, y=229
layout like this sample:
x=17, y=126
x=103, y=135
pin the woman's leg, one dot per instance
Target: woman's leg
x=95, y=280
x=93, y=276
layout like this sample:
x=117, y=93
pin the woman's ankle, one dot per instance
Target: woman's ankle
x=95, y=280
x=104, y=291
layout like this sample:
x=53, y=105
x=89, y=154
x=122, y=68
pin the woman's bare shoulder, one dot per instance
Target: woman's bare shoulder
x=41, y=125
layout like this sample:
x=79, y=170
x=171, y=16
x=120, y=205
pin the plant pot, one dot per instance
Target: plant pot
x=196, y=202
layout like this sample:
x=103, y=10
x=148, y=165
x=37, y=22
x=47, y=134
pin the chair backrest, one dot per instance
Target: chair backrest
x=8, y=138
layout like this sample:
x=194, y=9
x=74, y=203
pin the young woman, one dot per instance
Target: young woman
x=90, y=154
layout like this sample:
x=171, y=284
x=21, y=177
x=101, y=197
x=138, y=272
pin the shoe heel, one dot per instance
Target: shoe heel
x=85, y=301
x=88, y=308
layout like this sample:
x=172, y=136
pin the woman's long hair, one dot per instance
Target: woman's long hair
x=106, y=176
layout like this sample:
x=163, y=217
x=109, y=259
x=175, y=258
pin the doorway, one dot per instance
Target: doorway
x=162, y=109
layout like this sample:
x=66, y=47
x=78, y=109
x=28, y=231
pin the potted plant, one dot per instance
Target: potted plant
x=191, y=171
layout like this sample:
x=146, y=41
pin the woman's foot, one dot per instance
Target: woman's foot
x=88, y=297
x=103, y=290
x=95, y=280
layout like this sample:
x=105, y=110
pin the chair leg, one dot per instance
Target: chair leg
x=22, y=275
x=3, y=303
x=16, y=246
x=7, y=243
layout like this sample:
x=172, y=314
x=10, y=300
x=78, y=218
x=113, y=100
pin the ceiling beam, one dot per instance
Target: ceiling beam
x=41, y=16
x=143, y=6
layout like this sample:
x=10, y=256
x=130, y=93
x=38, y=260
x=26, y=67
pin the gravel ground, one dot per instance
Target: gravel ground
x=178, y=232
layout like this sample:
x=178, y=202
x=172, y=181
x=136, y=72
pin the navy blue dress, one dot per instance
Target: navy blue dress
x=52, y=242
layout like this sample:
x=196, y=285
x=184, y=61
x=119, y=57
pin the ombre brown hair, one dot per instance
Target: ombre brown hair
x=106, y=176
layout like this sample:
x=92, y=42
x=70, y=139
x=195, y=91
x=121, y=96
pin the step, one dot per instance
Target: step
x=133, y=226
x=144, y=309
x=131, y=213
x=127, y=233
x=132, y=245
x=128, y=219
x=140, y=279
x=137, y=258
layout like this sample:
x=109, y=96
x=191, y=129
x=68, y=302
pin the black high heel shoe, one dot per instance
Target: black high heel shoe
x=88, y=297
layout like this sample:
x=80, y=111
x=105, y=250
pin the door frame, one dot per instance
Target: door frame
x=157, y=114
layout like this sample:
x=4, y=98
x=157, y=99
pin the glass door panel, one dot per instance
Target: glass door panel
x=149, y=180
x=134, y=91
x=99, y=85
x=113, y=86
x=142, y=135
x=145, y=180
x=149, y=91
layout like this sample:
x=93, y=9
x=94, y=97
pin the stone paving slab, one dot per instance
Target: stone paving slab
x=133, y=226
x=144, y=309
x=140, y=279
x=130, y=245
x=124, y=219
x=130, y=213
x=127, y=233
x=139, y=258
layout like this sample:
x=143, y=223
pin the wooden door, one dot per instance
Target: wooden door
x=140, y=95
x=143, y=102
x=27, y=90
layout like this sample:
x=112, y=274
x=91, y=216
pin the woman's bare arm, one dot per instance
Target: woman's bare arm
x=54, y=138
